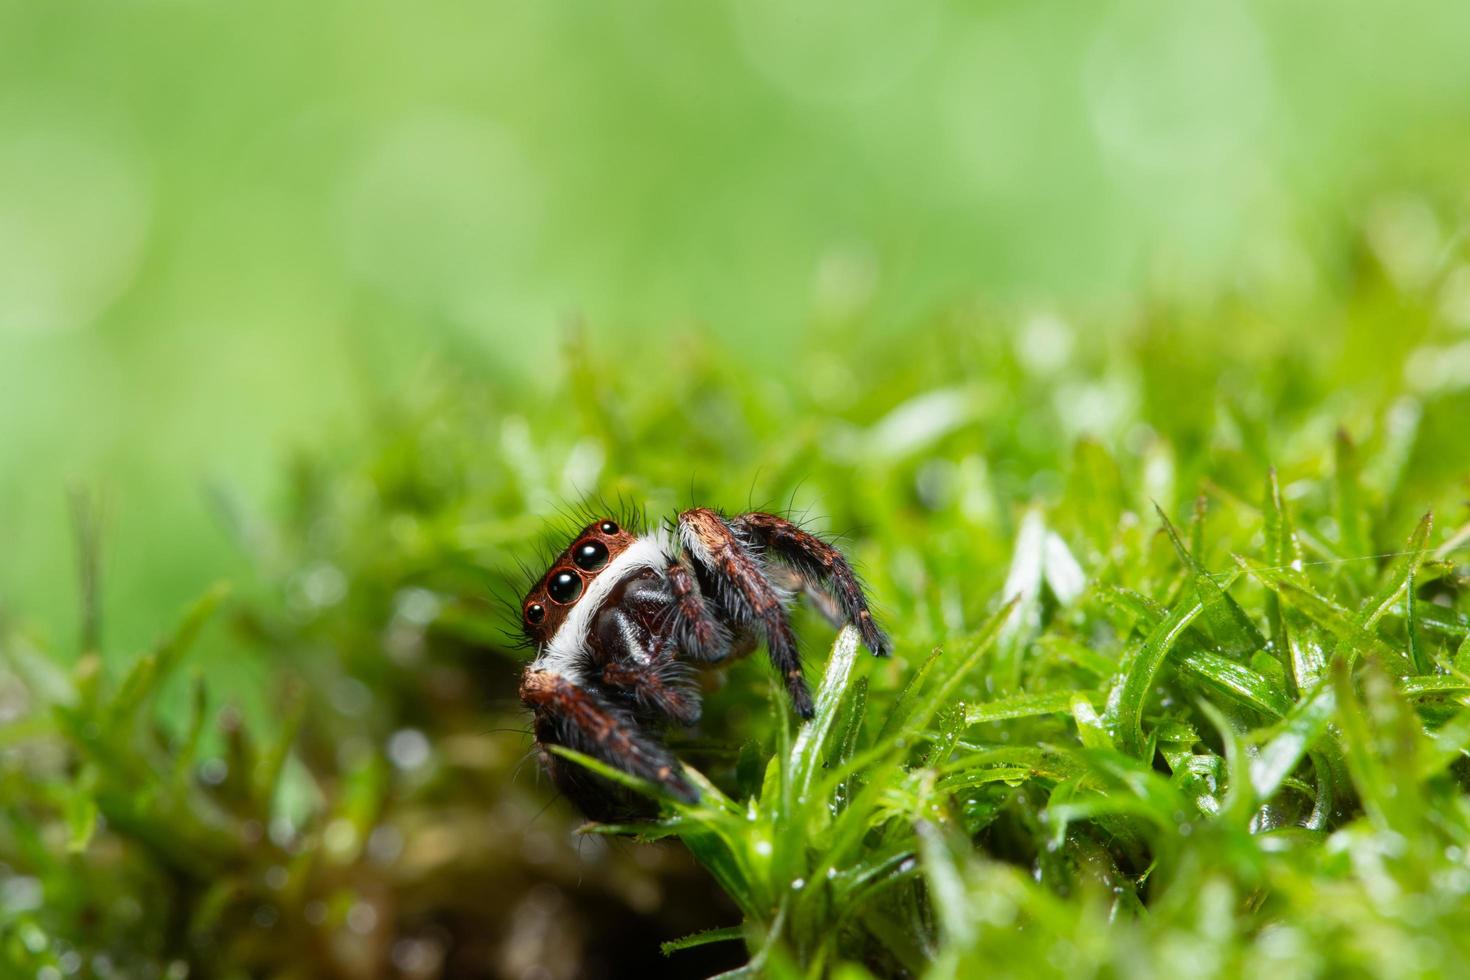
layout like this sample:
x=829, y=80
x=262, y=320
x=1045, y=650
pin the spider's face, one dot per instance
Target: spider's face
x=551, y=599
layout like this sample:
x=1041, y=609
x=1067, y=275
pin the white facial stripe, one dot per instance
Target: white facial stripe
x=563, y=654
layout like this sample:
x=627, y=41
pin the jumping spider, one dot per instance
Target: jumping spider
x=621, y=617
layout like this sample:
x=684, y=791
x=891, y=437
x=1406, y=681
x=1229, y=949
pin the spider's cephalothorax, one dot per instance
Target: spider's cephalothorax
x=620, y=618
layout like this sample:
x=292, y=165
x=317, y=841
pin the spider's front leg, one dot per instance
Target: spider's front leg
x=574, y=715
x=819, y=564
x=743, y=590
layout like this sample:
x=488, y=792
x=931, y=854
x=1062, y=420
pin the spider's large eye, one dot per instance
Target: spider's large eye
x=590, y=555
x=564, y=587
x=535, y=613
x=608, y=527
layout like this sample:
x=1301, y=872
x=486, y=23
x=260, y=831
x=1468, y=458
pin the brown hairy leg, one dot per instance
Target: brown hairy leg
x=653, y=689
x=588, y=723
x=701, y=634
x=713, y=545
x=820, y=564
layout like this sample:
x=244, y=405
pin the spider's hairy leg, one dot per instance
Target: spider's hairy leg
x=746, y=593
x=660, y=687
x=701, y=635
x=820, y=564
x=585, y=721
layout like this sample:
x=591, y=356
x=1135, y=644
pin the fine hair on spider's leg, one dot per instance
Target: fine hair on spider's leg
x=820, y=564
x=748, y=595
x=701, y=635
x=582, y=720
x=661, y=689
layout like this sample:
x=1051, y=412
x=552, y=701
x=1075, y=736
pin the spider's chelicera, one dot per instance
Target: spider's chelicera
x=620, y=619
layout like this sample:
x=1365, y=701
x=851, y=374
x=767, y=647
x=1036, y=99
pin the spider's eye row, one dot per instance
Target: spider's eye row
x=535, y=613
x=590, y=555
x=564, y=587
x=608, y=527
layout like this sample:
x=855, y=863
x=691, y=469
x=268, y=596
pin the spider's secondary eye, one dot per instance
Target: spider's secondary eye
x=608, y=527
x=535, y=612
x=590, y=555
x=564, y=587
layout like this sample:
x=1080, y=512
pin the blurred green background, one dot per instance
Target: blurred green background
x=225, y=228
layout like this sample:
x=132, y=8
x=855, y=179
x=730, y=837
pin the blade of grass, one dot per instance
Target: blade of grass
x=982, y=643
x=1133, y=691
x=1024, y=706
x=1303, y=726
x=946, y=885
x=1334, y=618
x=1229, y=626
x=1349, y=510
x=1398, y=577
x=151, y=670
x=1236, y=681
x=811, y=748
x=704, y=938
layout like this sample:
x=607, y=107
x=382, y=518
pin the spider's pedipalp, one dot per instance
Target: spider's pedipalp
x=820, y=564
x=747, y=594
x=700, y=634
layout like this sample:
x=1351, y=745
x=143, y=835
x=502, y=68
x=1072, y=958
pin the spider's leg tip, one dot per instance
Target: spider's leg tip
x=801, y=703
x=877, y=642
x=682, y=788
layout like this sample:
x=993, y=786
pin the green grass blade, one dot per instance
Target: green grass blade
x=1305, y=724
x=42, y=676
x=1430, y=685
x=946, y=885
x=1335, y=619
x=908, y=700
x=1024, y=706
x=812, y=746
x=983, y=641
x=1381, y=738
x=1136, y=685
x=1235, y=681
x=1351, y=512
x=1398, y=577
x=142, y=682
x=1097, y=492
x=704, y=938
x=1239, y=802
x=608, y=772
x=1229, y=626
